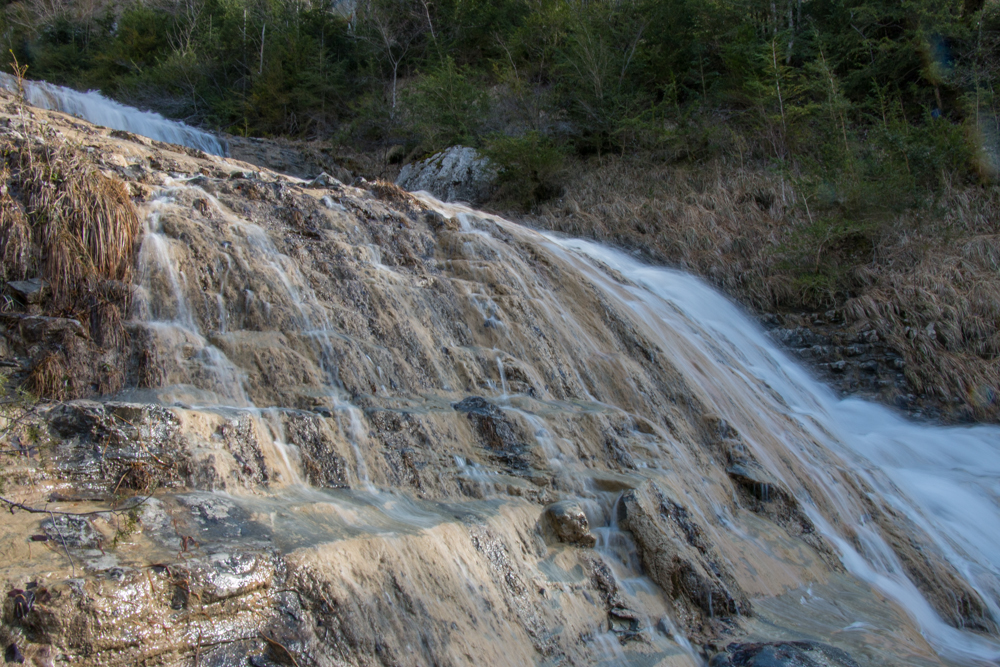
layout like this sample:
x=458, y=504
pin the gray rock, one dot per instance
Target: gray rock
x=782, y=654
x=324, y=180
x=71, y=531
x=37, y=328
x=28, y=291
x=570, y=523
x=456, y=174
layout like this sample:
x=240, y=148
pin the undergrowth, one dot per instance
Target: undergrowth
x=64, y=221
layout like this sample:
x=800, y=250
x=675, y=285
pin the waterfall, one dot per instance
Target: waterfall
x=99, y=110
x=347, y=337
x=945, y=479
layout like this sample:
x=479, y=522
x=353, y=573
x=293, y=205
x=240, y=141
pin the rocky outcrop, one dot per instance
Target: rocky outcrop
x=456, y=174
x=677, y=555
x=855, y=362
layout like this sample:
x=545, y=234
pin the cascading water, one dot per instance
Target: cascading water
x=395, y=402
x=944, y=479
x=99, y=110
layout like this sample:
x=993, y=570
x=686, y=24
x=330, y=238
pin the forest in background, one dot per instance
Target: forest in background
x=801, y=154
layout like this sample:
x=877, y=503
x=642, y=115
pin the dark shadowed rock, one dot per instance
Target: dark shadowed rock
x=28, y=291
x=13, y=654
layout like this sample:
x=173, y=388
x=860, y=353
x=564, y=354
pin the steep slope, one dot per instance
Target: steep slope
x=362, y=428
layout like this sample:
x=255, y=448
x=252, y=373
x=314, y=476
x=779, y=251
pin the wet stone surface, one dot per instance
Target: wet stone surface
x=782, y=654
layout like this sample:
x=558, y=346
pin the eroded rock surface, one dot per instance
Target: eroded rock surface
x=351, y=417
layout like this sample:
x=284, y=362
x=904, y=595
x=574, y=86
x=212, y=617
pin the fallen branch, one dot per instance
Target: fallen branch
x=13, y=505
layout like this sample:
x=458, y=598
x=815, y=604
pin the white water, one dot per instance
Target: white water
x=946, y=480
x=99, y=110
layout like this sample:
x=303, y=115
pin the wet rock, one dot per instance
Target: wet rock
x=570, y=523
x=456, y=174
x=752, y=477
x=72, y=531
x=78, y=418
x=674, y=556
x=493, y=427
x=782, y=654
x=214, y=517
x=28, y=291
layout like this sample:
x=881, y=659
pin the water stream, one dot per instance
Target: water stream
x=99, y=110
x=248, y=324
x=944, y=479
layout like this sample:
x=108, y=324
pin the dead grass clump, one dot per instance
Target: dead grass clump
x=15, y=237
x=63, y=220
x=390, y=192
x=49, y=377
x=83, y=223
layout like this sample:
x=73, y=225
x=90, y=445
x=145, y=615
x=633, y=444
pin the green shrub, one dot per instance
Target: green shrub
x=446, y=108
x=530, y=168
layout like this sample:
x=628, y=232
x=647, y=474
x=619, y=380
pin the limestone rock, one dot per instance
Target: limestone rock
x=456, y=174
x=677, y=556
x=570, y=523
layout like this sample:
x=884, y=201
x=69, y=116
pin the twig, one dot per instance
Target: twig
x=12, y=505
x=63, y=540
x=275, y=642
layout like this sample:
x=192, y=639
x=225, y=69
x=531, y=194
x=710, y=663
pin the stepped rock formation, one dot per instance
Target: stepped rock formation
x=364, y=428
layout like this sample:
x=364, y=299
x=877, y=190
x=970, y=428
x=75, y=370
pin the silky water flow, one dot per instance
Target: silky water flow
x=582, y=351
x=387, y=404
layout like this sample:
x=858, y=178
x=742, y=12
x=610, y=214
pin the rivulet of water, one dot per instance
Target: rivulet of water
x=99, y=110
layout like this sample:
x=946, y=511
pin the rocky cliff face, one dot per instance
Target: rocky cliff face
x=362, y=428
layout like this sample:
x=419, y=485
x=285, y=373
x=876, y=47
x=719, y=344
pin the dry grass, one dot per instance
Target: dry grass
x=82, y=222
x=49, y=377
x=390, y=192
x=63, y=220
x=930, y=285
x=15, y=236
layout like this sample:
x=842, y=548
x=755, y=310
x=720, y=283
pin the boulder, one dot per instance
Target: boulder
x=570, y=523
x=28, y=291
x=459, y=173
